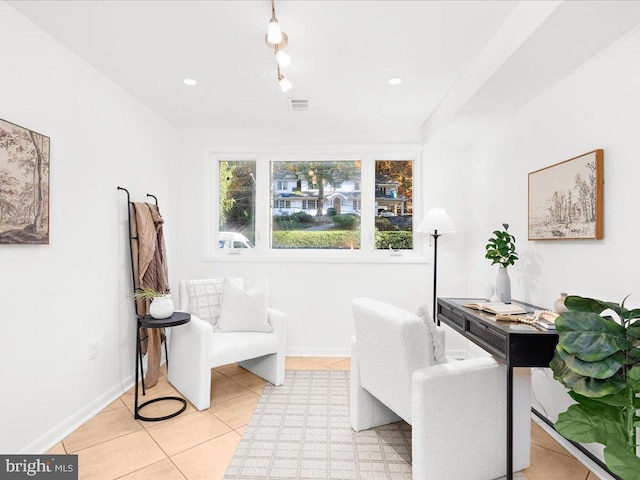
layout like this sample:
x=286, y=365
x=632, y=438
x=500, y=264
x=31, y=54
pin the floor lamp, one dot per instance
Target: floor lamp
x=436, y=223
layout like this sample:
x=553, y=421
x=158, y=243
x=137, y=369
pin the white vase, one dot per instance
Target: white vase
x=161, y=307
x=503, y=285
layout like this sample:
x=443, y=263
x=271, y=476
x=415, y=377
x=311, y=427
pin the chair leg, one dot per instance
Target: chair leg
x=366, y=410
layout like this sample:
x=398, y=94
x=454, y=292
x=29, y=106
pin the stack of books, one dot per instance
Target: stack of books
x=545, y=320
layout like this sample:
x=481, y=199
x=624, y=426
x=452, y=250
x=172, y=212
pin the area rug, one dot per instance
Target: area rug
x=301, y=431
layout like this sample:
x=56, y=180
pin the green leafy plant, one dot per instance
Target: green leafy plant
x=148, y=294
x=502, y=247
x=598, y=360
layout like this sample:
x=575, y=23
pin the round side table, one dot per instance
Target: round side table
x=147, y=321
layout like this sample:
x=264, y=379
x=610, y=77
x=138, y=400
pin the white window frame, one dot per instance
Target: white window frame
x=264, y=199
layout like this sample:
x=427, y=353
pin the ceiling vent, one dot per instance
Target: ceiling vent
x=299, y=104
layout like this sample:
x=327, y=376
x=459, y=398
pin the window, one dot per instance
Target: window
x=282, y=203
x=394, y=204
x=357, y=208
x=236, y=205
x=309, y=204
x=334, y=225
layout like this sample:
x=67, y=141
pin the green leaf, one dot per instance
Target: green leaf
x=586, y=386
x=633, y=331
x=633, y=356
x=582, y=304
x=620, y=399
x=589, y=336
x=633, y=379
x=635, y=313
x=601, y=369
x=579, y=425
x=622, y=461
x=595, y=406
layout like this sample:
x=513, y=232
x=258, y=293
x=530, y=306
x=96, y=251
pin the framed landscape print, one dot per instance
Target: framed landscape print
x=565, y=199
x=24, y=185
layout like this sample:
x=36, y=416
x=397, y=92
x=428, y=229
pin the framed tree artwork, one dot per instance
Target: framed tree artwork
x=24, y=185
x=565, y=199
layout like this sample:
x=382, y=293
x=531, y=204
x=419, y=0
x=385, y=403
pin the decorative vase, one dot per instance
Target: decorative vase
x=495, y=297
x=161, y=307
x=559, y=306
x=503, y=285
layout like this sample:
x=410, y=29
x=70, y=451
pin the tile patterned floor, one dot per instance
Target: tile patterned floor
x=199, y=445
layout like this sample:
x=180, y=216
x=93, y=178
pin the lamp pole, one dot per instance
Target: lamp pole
x=435, y=236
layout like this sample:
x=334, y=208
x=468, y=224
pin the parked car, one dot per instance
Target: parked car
x=233, y=240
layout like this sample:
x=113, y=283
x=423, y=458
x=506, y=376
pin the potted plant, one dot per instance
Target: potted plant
x=598, y=360
x=501, y=249
x=161, y=304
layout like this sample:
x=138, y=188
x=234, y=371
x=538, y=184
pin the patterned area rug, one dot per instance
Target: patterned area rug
x=301, y=431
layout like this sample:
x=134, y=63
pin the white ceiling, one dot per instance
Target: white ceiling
x=343, y=52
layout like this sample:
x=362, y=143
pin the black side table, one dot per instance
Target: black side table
x=147, y=321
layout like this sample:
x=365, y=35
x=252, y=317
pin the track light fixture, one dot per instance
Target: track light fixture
x=285, y=84
x=278, y=40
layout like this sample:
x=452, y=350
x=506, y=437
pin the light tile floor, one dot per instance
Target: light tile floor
x=199, y=445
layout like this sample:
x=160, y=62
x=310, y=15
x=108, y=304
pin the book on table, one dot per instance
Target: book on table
x=497, y=308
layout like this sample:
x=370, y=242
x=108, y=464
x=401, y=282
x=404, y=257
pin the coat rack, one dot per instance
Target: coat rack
x=145, y=321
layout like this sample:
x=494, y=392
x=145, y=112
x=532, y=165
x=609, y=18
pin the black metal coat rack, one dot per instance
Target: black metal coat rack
x=144, y=321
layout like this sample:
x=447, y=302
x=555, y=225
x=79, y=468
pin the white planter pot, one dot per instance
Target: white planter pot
x=503, y=285
x=161, y=307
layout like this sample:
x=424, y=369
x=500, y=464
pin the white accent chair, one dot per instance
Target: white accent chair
x=457, y=410
x=196, y=348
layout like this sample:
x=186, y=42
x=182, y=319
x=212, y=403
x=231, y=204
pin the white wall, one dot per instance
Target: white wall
x=57, y=299
x=316, y=296
x=596, y=106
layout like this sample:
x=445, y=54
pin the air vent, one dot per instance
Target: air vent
x=299, y=104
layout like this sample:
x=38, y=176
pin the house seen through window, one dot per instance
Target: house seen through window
x=315, y=205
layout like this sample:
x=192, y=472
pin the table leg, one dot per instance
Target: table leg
x=509, y=475
x=135, y=362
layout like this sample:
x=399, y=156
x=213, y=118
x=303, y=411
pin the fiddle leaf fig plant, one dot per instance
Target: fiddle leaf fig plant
x=502, y=247
x=598, y=360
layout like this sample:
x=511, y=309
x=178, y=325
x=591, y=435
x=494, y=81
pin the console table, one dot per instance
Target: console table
x=147, y=321
x=514, y=344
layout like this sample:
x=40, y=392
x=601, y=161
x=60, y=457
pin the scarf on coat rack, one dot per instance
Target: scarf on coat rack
x=150, y=271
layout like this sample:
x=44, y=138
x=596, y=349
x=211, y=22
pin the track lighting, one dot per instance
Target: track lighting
x=278, y=40
x=285, y=84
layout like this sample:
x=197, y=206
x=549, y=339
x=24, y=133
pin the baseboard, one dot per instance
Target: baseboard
x=318, y=352
x=62, y=430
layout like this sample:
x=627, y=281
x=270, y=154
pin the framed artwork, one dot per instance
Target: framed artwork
x=24, y=185
x=565, y=199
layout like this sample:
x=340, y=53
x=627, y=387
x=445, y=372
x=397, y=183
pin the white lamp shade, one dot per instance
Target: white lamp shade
x=285, y=84
x=283, y=59
x=436, y=219
x=274, y=32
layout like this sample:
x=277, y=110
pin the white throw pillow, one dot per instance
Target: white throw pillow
x=243, y=311
x=432, y=334
x=205, y=297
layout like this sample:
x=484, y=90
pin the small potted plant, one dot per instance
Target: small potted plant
x=501, y=249
x=161, y=304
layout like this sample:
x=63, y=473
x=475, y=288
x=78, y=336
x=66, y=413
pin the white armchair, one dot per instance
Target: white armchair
x=457, y=410
x=196, y=348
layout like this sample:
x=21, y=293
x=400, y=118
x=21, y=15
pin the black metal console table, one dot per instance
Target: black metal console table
x=147, y=321
x=514, y=344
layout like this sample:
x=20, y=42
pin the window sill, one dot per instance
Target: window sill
x=321, y=257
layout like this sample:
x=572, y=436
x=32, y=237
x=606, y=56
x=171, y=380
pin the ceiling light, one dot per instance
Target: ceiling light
x=274, y=32
x=394, y=81
x=283, y=59
x=278, y=40
x=285, y=84
x=190, y=81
